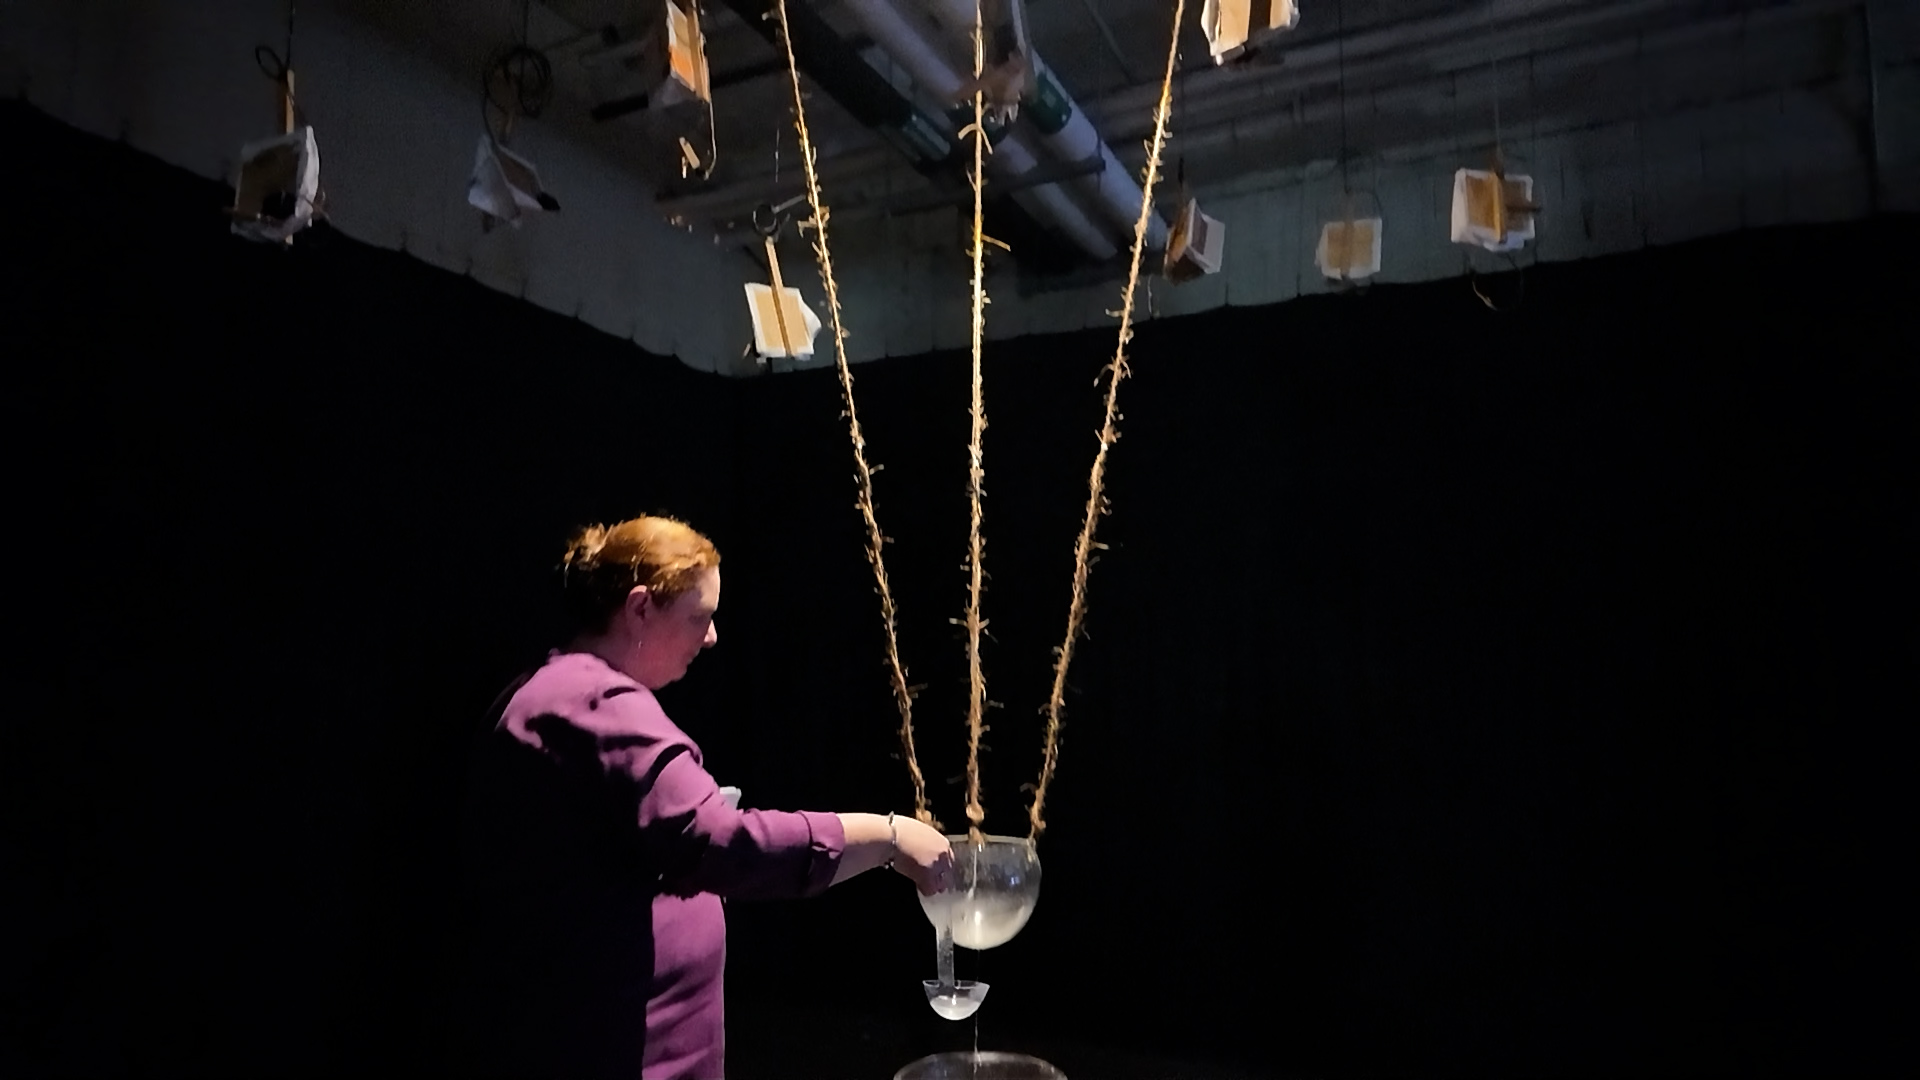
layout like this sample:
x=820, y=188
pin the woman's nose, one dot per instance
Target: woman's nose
x=713, y=636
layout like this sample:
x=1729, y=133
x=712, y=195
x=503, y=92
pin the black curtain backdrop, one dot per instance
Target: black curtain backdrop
x=1467, y=693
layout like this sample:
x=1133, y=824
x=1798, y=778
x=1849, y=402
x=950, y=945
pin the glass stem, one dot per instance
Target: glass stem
x=943, y=947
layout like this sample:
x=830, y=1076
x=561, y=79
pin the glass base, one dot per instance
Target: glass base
x=979, y=1065
x=956, y=1002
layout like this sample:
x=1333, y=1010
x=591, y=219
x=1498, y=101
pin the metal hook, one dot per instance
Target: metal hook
x=768, y=219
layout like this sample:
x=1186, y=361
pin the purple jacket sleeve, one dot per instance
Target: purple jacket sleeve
x=711, y=847
x=617, y=735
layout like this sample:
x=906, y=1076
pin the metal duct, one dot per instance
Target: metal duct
x=852, y=82
x=1207, y=80
x=1066, y=131
x=1255, y=91
x=925, y=140
x=1013, y=155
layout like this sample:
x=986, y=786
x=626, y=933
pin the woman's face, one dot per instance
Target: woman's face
x=670, y=635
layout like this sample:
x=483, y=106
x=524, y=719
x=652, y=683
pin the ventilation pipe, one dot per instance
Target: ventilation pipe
x=1065, y=128
x=839, y=69
x=1013, y=154
x=926, y=141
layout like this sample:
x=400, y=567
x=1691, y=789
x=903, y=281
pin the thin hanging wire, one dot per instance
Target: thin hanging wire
x=1499, y=155
x=1348, y=224
x=706, y=90
x=525, y=76
x=278, y=67
x=1500, y=180
x=1096, y=499
x=1340, y=48
x=902, y=692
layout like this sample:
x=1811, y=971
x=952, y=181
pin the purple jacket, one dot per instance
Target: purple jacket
x=599, y=848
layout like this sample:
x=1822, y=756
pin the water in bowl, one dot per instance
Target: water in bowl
x=997, y=885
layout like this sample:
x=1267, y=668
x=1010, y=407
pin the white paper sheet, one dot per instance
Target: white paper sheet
x=284, y=164
x=505, y=185
x=800, y=322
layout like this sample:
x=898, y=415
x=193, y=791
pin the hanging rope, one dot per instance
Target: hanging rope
x=1340, y=44
x=1096, y=480
x=1096, y=502
x=902, y=692
x=976, y=468
x=706, y=90
x=279, y=68
x=524, y=77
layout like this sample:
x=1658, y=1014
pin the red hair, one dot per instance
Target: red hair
x=604, y=563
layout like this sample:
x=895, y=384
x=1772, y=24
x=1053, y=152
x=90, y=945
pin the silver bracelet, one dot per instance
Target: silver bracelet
x=893, y=834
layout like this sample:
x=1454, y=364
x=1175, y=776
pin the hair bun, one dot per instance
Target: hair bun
x=604, y=563
x=586, y=544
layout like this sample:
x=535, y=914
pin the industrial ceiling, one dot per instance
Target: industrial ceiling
x=1641, y=121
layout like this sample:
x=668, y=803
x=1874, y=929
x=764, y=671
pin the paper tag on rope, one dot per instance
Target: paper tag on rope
x=687, y=76
x=1349, y=250
x=277, y=191
x=1492, y=212
x=1234, y=26
x=785, y=328
x=1195, y=245
x=504, y=185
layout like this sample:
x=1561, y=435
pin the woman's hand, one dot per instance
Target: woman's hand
x=923, y=855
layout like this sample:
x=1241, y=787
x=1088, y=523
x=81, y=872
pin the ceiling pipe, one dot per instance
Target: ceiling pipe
x=740, y=228
x=743, y=195
x=839, y=69
x=1389, y=58
x=1013, y=154
x=1203, y=78
x=754, y=72
x=1256, y=85
x=1241, y=123
x=1501, y=25
x=1066, y=131
x=1423, y=60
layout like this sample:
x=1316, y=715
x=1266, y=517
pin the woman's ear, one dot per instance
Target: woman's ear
x=639, y=603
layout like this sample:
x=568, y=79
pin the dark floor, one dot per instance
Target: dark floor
x=770, y=1041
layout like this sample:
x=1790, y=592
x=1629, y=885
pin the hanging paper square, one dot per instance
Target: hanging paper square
x=1349, y=250
x=1492, y=211
x=782, y=327
x=277, y=191
x=1234, y=26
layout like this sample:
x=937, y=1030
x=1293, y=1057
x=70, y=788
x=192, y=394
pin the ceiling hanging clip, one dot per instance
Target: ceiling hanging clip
x=1196, y=245
x=276, y=189
x=1007, y=77
x=1493, y=209
x=1235, y=28
x=783, y=324
x=1349, y=250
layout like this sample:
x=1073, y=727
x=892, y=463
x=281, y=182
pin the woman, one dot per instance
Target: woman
x=600, y=847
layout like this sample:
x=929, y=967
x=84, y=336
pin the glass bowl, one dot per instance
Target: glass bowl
x=996, y=885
